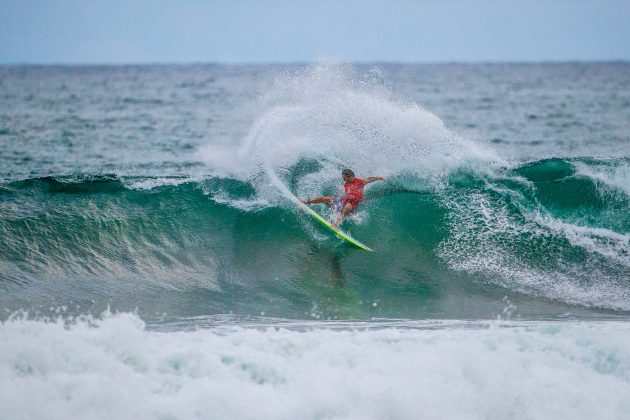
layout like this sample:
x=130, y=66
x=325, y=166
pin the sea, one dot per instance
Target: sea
x=154, y=266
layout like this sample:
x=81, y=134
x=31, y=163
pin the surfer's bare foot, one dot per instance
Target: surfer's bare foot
x=304, y=201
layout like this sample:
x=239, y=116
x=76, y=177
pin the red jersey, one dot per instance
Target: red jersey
x=354, y=191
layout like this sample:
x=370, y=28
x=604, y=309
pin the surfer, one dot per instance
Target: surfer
x=349, y=202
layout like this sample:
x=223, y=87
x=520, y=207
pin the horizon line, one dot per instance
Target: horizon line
x=306, y=63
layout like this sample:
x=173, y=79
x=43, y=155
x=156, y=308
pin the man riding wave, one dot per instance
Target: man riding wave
x=353, y=188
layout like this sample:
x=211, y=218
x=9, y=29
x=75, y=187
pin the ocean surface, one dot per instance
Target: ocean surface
x=152, y=265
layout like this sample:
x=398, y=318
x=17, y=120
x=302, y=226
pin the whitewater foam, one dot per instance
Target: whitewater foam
x=616, y=174
x=605, y=242
x=115, y=368
x=156, y=182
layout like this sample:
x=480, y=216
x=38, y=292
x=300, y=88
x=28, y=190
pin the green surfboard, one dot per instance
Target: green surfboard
x=329, y=225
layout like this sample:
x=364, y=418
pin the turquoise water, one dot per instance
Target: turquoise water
x=541, y=233
x=144, y=226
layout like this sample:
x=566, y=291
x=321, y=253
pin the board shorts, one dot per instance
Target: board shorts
x=339, y=203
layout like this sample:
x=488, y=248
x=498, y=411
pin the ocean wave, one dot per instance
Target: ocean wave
x=545, y=229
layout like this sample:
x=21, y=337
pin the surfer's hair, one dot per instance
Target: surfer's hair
x=347, y=172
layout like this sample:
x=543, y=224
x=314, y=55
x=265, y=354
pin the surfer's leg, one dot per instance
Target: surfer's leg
x=347, y=209
x=318, y=200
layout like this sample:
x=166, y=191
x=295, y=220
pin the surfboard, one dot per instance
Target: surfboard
x=329, y=225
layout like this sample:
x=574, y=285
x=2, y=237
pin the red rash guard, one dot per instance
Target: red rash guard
x=354, y=192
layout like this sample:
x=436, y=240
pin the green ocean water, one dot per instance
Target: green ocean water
x=209, y=247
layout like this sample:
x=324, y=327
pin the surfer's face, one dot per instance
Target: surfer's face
x=348, y=178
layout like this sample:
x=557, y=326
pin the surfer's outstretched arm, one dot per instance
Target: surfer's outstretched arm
x=371, y=179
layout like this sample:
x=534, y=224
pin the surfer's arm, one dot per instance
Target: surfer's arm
x=372, y=179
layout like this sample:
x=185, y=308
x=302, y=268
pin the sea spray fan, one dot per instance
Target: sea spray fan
x=328, y=113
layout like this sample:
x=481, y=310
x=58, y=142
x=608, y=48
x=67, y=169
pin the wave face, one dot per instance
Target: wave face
x=555, y=230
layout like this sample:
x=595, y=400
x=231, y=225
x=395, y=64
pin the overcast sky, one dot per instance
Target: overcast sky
x=150, y=31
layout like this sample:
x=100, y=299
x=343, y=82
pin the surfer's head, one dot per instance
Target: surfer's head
x=347, y=175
